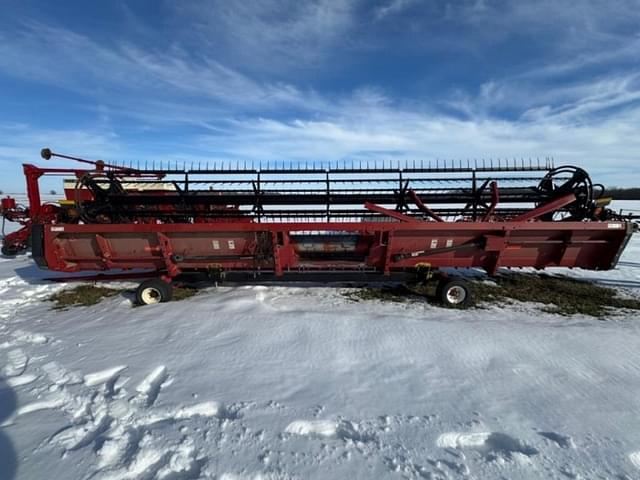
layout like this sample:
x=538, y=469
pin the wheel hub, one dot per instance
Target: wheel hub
x=151, y=295
x=456, y=295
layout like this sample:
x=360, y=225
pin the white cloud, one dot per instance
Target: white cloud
x=607, y=147
x=21, y=143
x=234, y=114
x=271, y=35
x=393, y=7
x=66, y=59
x=358, y=130
x=578, y=99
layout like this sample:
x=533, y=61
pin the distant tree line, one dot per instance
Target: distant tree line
x=632, y=193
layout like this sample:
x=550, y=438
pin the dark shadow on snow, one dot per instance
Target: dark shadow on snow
x=8, y=458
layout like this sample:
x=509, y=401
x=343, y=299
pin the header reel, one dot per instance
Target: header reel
x=478, y=191
x=118, y=194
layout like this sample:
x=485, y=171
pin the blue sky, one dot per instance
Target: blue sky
x=331, y=80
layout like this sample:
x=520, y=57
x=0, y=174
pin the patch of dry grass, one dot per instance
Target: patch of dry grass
x=85, y=295
x=558, y=294
x=82, y=295
x=392, y=293
x=183, y=292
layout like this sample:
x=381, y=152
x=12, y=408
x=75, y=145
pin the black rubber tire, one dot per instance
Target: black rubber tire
x=154, y=290
x=454, y=292
x=439, y=285
x=10, y=250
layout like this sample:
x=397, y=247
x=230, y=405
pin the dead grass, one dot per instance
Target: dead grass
x=392, y=293
x=86, y=295
x=182, y=293
x=82, y=295
x=558, y=294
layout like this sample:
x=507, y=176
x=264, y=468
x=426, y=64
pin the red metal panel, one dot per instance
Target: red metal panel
x=387, y=247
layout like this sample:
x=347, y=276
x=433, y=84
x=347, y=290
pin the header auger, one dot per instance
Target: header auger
x=284, y=219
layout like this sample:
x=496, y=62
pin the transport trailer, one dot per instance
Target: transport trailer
x=297, y=220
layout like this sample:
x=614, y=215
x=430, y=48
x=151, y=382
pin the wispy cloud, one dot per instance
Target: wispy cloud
x=581, y=100
x=21, y=143
x=238, y=95
x=392, y=7
x=63, y=58
x=607, y=147
x=271, y=35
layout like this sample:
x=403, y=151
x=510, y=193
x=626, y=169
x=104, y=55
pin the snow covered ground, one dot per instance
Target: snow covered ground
x=284, y=382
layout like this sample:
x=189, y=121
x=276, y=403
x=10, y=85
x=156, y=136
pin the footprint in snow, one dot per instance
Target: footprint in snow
x=28, y=337
x=107, y=377
x=24, y=379
x=59, y=375
x=563, y=441
x=493, y=445
x=342, y=429
x=118, y=427
x=149, y=389
x=16, y=363
x=318, y=428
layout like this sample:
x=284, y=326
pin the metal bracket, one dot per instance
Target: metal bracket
x=167, y=253
x=105, y=251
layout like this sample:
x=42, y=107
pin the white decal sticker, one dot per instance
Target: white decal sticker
x=216, y=245
x=434, y=243
x=610, y=225
x=232, y=245
x=449, y=242
x=57, y=229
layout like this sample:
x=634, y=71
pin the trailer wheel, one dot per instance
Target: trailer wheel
x=153, y=291
x=454, y=293
x=10, y=250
